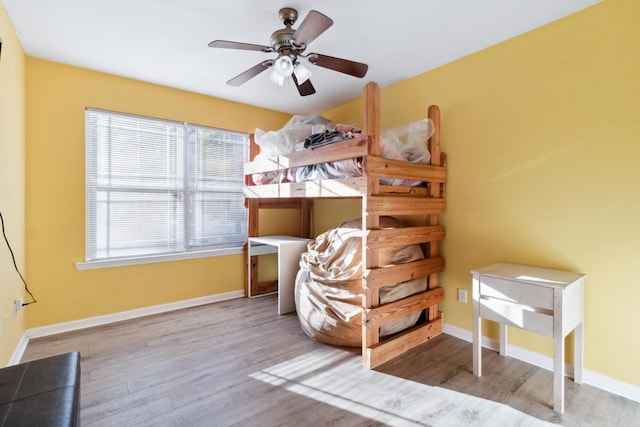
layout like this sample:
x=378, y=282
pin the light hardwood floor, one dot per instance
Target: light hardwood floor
x=239, y=363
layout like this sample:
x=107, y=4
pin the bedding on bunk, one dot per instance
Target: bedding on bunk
x=407, y=142
x=328, y=288
x=341, y=132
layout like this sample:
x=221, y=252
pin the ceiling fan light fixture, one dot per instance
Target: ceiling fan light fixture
x=301, y=72
x=283, y=66
x=282, y=70
x=277, y=78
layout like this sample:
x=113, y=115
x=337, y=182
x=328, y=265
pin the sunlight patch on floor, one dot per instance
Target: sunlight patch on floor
x=337, y=378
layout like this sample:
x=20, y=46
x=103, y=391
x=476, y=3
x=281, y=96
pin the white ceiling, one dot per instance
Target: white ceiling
x=165, y=41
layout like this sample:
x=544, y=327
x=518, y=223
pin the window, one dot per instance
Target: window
x=157, y=187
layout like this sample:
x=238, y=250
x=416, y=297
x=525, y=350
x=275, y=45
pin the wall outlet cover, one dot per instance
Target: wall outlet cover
x=462, y=295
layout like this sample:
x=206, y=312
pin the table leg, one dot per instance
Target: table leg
x=558, y=353
x=477, y=330
x=558, y=374
x=503, y=339
x=288, y=266
x=578, y=353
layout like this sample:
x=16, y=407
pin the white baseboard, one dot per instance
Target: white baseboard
x=595, y=379
x=76, y=325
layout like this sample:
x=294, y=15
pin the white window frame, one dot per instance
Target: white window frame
x=195, y=190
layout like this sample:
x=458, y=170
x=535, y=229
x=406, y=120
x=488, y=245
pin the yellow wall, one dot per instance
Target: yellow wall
x=56, y=98
x=12, y=187
x=543, y=138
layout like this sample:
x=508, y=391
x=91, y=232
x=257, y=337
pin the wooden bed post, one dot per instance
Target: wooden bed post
x=305, y=218
x=253, y=205
x=370, y=220
x=372, y=117
x=434, y=192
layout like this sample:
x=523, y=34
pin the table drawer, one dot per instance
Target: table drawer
x=521, y=293
x=516, y=315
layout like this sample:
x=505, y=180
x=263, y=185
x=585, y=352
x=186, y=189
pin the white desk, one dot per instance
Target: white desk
x=541, y=300
x=289, y=250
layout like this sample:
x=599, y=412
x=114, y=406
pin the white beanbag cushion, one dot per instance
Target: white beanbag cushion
x=328, y=289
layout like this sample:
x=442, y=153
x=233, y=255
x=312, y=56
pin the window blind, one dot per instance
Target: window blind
x=161, y=187
x=215, y=200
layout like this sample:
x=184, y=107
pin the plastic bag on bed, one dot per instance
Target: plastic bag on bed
x=407, y=142
x=284, y=141
x=276, y=142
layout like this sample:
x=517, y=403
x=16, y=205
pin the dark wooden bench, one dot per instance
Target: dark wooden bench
x=43, y=392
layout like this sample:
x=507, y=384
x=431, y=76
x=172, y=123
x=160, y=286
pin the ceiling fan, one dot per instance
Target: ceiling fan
x=290, y=45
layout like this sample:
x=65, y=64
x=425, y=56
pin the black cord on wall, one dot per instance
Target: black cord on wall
x=15, y=265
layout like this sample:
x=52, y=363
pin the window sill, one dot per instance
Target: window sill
x=123, y=262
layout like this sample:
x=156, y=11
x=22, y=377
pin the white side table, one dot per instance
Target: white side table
x=541, y=300
x=289, y=250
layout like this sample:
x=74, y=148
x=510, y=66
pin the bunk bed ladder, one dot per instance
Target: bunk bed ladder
x=375, y=204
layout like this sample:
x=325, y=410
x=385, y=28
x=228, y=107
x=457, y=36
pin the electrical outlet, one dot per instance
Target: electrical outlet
x=17, y=306
x=462, y=295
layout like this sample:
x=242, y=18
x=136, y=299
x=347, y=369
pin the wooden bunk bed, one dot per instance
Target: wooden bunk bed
x=377, y=200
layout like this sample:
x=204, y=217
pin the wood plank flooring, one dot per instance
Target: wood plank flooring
x=237, y=363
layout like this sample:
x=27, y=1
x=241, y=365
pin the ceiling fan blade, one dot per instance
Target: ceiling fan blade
x=304, y=89
x=237, y=45
x=314, y=24
x=250, y=73
x=356, y=69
